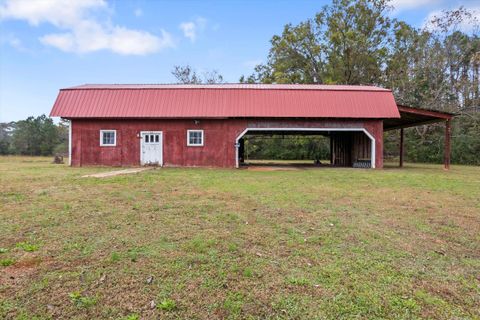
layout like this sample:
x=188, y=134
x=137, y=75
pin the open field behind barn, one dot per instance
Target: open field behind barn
x=236, y=244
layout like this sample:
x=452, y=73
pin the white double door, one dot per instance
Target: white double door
x=151, y=148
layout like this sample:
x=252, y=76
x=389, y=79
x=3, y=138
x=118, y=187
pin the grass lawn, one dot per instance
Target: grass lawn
x=238, y=244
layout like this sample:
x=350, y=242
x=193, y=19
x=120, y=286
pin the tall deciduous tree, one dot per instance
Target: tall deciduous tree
x=6, y=130
x=345, y=43
x=35, y=136
x=356, y=36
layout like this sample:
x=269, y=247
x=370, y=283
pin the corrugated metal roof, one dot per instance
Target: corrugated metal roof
x=224, y=101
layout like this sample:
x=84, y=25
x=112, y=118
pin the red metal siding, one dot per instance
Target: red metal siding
x=218, y=149
x=225, y=101
x=220, y=136
x=375, y=128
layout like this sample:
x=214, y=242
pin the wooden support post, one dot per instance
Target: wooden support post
x=448, y=135
x=401, y=148
x=332, y=153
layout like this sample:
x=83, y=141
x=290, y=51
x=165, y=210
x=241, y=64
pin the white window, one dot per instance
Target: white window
x=195, y=138
x=108, y=138
x=152, y=138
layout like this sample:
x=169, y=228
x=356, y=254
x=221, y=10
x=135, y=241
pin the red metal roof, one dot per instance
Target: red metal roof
x=224, y=101
x=411, y=117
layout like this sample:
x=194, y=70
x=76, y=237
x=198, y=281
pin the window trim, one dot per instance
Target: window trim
x=195, y=144
x=114, y=138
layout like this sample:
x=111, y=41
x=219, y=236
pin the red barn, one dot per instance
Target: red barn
x=204, y=125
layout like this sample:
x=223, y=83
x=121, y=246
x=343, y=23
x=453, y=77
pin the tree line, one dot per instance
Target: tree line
x=34, y=136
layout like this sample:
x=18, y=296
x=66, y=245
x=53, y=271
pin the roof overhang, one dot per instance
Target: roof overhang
x=411, y=117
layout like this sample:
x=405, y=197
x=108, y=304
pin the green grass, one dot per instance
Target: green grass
x=6, y=262
x=28, y=247
x=81, y=301
x=238, y=244
x=167, y=305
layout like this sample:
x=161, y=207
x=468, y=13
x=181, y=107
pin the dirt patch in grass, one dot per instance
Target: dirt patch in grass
x=108, y=174
x=273, y=168
x=21, y=270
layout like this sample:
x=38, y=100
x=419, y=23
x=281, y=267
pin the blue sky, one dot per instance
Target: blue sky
x=46, y=45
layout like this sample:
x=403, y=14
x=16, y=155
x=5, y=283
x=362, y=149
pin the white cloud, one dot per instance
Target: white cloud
x=83, y=31
x=90, y=36
x=400, y=5
x=126, y=41
x=57, y=12
x=192, y=28
x=189, y=30
x=16, y=43
x=11, y=40
x=138, y=12
x=64, y=42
